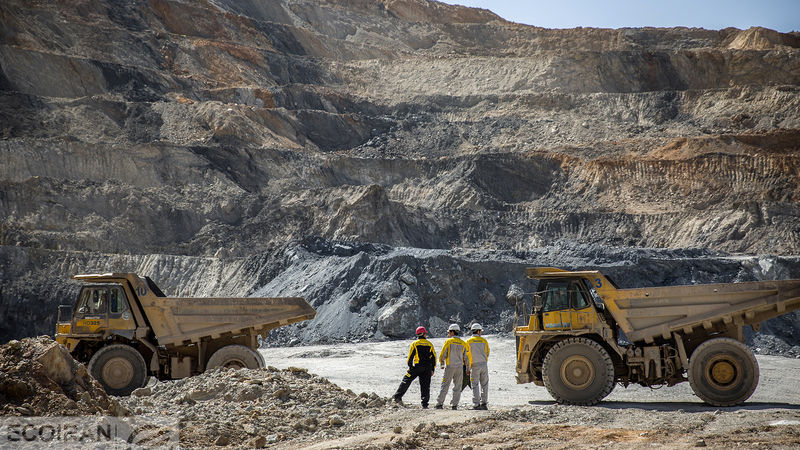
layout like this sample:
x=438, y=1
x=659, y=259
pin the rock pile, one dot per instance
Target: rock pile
x=255, y=408
x=39, y=377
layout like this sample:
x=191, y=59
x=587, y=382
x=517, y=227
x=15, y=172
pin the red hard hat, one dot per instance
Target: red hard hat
x=421, y=330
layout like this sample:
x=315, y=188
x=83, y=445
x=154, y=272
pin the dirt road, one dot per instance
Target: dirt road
x=378, y=367
x=525, y=415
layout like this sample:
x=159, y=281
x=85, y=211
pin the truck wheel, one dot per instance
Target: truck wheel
x=119, y=368
x=578, y=371
x=235, y=357
x=723, y=372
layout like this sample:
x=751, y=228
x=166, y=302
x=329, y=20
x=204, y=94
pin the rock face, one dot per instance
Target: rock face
x=198, y=142
x=346, y=284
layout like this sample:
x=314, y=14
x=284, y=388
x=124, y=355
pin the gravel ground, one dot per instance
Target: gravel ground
x=378, y=367
x=525, y=415
x=338, y=396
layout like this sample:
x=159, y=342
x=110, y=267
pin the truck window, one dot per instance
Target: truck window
x=555, y=297
x=99, y=300
x=117, y=302
x=561, y=295
x=577, y=296
x=93, y=301
x=83, y=302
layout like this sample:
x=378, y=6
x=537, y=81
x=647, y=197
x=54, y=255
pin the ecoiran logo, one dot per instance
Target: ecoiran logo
x=88, y=432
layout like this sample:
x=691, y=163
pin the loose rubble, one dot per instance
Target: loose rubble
x=38, y=377
x=254, y=408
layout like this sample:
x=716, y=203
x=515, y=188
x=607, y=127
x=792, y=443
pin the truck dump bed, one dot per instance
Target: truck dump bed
x=645, y=314
x=177, y=321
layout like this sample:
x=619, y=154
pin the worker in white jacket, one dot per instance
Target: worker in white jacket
x=452, y=359
x=478, y=356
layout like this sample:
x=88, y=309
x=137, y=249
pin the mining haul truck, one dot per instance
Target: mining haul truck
x=585, y=335
x=127, y=330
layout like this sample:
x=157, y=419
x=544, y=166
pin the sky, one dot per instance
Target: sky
x=780, y=15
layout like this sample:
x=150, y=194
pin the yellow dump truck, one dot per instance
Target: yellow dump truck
x=127, y=330
x=584, y=335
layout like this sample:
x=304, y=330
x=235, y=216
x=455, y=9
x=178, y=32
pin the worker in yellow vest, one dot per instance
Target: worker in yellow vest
x=452, y=360
x=478, y=356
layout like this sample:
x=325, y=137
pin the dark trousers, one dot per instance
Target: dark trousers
x=424, y=374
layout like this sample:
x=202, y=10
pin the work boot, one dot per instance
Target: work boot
x=455, y=407
x=439, y=406
x=398, y=400
x=476, y=407
x=424, y=406
x=483, y=407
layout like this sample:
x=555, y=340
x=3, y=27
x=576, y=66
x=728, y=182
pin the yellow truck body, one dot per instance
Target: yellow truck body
x=584, y=335
x=126, y=330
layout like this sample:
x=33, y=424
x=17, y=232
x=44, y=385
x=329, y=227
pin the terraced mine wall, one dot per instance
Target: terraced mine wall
x=201, y=143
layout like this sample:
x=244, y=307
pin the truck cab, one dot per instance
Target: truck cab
x=564, y=304
x=103, y=312
x=99, y=307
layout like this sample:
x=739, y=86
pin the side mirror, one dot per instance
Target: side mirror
x=598, y=301
x=537, y=302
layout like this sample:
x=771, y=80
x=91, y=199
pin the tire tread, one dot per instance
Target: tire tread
x=605, y=360
x=138, y=360
x=217, y=358
x=697, y=387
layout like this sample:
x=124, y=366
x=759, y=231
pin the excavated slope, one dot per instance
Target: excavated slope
x=213, y=133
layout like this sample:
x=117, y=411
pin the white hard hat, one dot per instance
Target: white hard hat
x=454, y=327
x=476, y=326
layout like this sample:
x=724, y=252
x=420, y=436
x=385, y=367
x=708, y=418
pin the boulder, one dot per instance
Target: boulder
x=488, y=298
x=514, y=294
x=39, y=377
x=408, y=279
x=399, y=319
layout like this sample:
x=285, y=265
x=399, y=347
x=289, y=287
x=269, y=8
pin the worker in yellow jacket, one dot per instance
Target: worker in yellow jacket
x=421, y=363
x=478, y=356
x=452, y=360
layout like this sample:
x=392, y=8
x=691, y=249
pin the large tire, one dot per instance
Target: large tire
x=578, y=371
x=119, y=368
x=723, y=372
x=235, y=357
